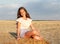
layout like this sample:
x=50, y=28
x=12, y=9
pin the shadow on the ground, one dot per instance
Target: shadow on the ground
x=13, y=34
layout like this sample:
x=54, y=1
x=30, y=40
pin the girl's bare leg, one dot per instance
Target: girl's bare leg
x=33, y=34
x=38, y=37
x=28, y=34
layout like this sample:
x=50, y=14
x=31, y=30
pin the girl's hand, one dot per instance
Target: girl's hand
x=35, y=32
x=18, y=38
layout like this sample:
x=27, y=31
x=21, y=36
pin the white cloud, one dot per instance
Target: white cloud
x=53, y=5
x=10, y=6
x=1, y=6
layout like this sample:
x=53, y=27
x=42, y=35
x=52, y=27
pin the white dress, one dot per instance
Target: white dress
x=24, y=25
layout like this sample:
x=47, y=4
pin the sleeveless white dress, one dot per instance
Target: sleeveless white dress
x=24, y=25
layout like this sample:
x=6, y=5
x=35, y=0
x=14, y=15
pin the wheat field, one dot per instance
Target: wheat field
x=49, y=30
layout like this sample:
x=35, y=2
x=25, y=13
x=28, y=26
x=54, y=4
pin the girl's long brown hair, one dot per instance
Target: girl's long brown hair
x=19, y=14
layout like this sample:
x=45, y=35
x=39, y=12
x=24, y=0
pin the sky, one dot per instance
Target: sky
x=38, y=9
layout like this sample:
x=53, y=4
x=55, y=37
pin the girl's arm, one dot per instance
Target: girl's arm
x=18, y=29
x=34, y=29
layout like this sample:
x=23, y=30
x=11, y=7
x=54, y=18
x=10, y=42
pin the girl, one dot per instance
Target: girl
x=24, y=21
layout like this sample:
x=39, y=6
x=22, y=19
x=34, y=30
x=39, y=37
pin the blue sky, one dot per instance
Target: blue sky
x=38, y=9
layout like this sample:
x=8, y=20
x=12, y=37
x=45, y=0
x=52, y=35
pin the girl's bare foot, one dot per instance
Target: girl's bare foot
x=18, y=38
x=38, y=37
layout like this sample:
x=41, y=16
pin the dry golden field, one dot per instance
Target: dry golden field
x=50, y=30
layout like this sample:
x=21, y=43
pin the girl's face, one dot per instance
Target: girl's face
x=22, y=11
